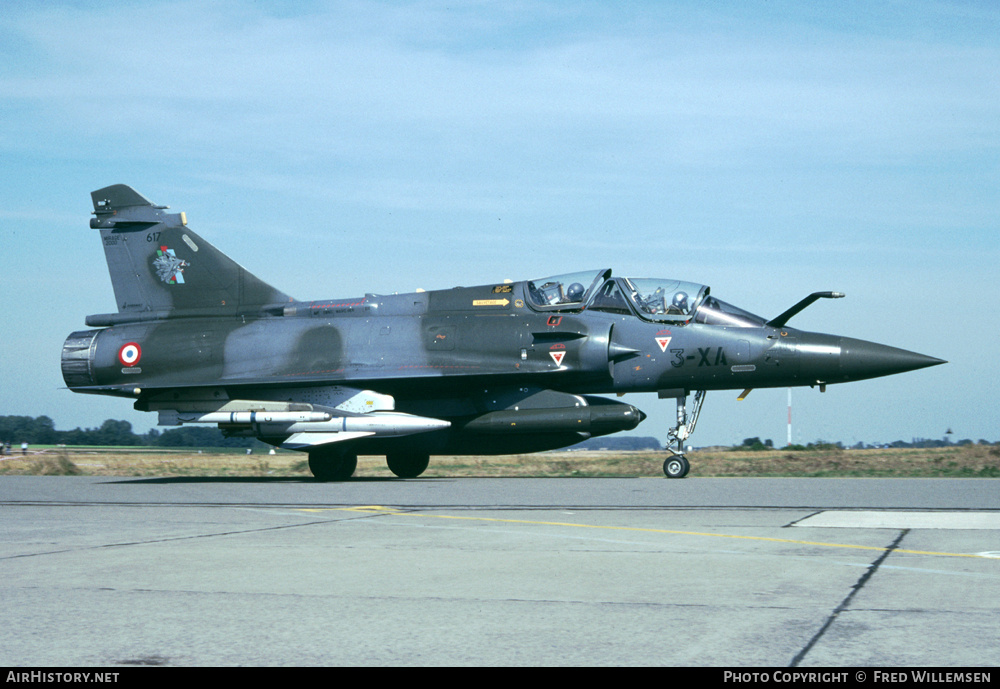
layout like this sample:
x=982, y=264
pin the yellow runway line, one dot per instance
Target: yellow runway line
x=389, y=511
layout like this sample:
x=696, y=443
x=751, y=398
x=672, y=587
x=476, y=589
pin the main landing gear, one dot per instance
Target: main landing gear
x=678, y=466
x=338, y=465
x=407, y=465
x=332, y=465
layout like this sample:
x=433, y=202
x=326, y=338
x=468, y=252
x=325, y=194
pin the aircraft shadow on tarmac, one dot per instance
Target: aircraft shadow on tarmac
x=167, y=480
x=173, y=480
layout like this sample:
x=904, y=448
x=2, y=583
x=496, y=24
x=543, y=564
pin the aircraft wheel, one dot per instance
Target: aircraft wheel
x=676, y=466
x=332, y=466
x=407, y=465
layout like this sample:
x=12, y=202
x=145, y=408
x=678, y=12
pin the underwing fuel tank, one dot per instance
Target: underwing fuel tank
x=593, y=419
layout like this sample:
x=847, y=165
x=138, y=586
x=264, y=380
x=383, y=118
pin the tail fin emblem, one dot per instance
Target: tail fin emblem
x=169, y=268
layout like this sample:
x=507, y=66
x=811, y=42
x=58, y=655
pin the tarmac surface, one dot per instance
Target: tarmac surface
x=100, y=571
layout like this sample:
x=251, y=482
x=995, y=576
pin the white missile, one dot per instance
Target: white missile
x=381, y=424
x=252, y=417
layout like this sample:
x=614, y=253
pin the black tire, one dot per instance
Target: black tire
x=676, y=466
x=407, y=465
x=332, y=466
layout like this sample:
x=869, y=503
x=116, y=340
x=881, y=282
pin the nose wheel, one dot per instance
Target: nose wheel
x=678, y=466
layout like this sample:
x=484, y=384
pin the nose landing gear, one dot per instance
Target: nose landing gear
x=677, y=466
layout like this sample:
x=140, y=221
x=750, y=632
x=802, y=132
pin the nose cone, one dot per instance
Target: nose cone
x=860, y=359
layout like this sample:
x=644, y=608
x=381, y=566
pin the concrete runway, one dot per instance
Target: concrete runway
x=745, y=573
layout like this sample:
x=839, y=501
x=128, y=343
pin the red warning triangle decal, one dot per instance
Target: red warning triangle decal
x=557, y=357
x=663, y=342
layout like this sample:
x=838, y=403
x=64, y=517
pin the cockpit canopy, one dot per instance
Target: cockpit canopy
x=652, y=299
x=565, y=292
x=665, y=300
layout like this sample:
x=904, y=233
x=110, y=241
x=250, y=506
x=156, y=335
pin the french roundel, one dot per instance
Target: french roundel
x=129, y=354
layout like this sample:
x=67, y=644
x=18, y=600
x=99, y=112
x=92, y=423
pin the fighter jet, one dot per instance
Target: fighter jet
x=506, y=367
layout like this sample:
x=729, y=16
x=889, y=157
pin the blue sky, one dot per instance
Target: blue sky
x=766, y=149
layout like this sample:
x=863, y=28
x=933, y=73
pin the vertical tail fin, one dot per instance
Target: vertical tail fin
x=158, y=264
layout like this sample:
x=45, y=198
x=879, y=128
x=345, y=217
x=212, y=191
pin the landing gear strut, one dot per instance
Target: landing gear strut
x=678, y=466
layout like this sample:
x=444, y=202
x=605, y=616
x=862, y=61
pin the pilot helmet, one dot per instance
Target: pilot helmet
x=575, y=292
x=681, y=301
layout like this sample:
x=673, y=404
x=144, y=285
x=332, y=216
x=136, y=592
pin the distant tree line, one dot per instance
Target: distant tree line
x=756, y=444
x=619, y=443
x=41, y=430
x=926, y=442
